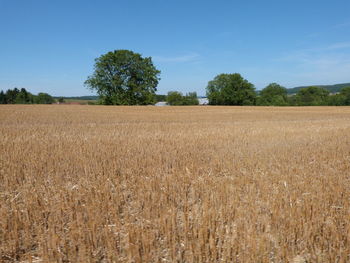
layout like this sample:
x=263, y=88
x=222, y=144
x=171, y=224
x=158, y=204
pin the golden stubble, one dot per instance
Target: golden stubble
x=174, y=184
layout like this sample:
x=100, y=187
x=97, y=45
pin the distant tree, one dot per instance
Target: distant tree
x=273, y=95
x=346, y=93
x=176, y=98
x=230, y=89
x=11, y=95
x=44, y=98
x=160, y=97
x=336, y=100
x=2, y=98
x=16, y=96
x=61, y=100
x=312, y=96
x=191, y=98
x=123, y=77
x=292, y=100
x=24, y=97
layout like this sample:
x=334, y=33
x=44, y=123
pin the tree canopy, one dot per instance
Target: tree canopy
x=312, y=96
x=44, y=98
x=122, y=77
x=345, y=92
x=3, y=98
x=273, y=95
x=176, y=98
x=11, y=95
x=230, y=89
x=22, y=96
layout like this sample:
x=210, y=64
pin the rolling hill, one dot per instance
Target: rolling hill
x=332, y=88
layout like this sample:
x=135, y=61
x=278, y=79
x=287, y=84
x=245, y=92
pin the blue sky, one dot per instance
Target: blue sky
x=50, y=45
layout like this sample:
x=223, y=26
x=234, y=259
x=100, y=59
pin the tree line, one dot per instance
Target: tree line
x=122, y=77
x=22, y=96
x=272, y=95
x=233, y=89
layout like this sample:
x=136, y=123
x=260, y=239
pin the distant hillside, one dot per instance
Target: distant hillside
x=332, y=88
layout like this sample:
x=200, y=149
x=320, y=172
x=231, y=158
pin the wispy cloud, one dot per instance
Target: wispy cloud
x=329, y=29
x=345, y=24
x=309, y=54
x=340, y=45
x=329, y=47
x=325, y=64
x=177, y=59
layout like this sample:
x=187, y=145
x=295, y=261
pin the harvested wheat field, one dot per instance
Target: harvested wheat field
x=174, y=184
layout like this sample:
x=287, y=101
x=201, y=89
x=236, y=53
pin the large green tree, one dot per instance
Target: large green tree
x=11, y=95
x=345, y=93
x=122, y=77
x=24, y=97
x=273, y=95
x=336, y=100
x=230, y=89
x=312, y=96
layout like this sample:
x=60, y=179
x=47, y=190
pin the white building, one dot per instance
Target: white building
x=161, y=103
x=203, y=101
